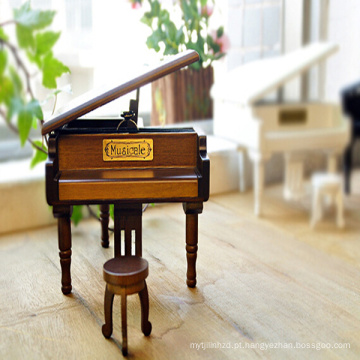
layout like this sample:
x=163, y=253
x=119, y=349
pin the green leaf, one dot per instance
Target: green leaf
x=25, y=37
x=164, y=16
x=52, y=69
x=24, y=15
x=34, y=58
x=77, y=214
x=187, y=13
x=33, y=19
x=196, y=65
x=15, y=105
x=24, y=123
x=111, y=211
x=45, y=19
x=3, y=61
x=154, y=39
x=17, y=82
x=34, y=123
x=45, y=41
x=171, y=31
x=147, y=19
x=155, y=8
x=6, y=90
x=34, y=107
x=26, y=114
x=220, y=32
x=180, y=36
x=170, y=50
x=3, y=36
x=39, y=156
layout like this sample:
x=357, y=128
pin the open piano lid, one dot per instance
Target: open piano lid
x=251, y=82
x=94, y=99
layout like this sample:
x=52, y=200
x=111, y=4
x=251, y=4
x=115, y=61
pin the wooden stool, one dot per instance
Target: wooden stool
x=125, y=275
x=327, y=184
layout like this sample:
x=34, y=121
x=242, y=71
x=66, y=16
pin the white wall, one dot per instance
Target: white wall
x=344, y=29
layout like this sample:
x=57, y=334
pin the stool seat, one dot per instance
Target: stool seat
x=327, y=185
x=325, y=180
x=125, y=275
x=126, y=270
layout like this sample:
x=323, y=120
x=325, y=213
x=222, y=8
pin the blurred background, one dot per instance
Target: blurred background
x=104, y=40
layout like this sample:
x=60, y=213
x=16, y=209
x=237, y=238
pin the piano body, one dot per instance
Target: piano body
x=112, y=161
x=267, y=128
x=350, y=97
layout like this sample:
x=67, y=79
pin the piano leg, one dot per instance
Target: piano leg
x=332, y=162
x=104, y=219
x=258, y=181
x=294, y=174
x=63, y=214
x=191, y=210
x=242, y=169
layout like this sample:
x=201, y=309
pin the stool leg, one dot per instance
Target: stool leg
x=320, y=204
x=107, y=328
x=124, y=323
x=144, y=302
x=315, y=208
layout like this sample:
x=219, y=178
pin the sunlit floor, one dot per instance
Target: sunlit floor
x=270, y=288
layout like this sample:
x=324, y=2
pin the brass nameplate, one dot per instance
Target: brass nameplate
x=293, y=117
x=128, y=150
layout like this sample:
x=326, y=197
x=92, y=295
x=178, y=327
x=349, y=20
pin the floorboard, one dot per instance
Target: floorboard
x=268, y=284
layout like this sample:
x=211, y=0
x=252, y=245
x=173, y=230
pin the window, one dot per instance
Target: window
x=79, y=21
x=255, y=30
x=266, y=28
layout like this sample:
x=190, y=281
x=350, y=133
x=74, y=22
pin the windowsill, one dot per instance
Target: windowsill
x=19, y=172
x=22, y=194
x=22, y=190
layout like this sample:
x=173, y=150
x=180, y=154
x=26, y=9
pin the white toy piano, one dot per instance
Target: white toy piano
x=264, y=128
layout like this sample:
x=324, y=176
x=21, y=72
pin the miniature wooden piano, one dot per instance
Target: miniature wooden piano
x=113, y=161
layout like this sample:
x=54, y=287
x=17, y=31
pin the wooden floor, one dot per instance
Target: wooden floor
x=267, y=284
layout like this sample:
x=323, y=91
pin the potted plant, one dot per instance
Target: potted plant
x=23, y=58
x=183, y=24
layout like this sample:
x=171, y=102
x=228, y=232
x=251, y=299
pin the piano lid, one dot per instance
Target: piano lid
x=252, y=81
x=94, y=99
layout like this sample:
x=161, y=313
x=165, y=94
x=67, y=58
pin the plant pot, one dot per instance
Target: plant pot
x=182, y=96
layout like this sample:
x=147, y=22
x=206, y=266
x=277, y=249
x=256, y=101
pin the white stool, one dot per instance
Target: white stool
x=327, y=184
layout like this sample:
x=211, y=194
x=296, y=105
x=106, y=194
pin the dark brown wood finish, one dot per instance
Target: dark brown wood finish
x=128, y=218
x=81, y=171
x=63, y=214
x=133, y=188
x=192, y=210
x=125, y=275
x=175, y=162
x=170, y=149
x=94, y=100
x=104, y=219
x=169, y=177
